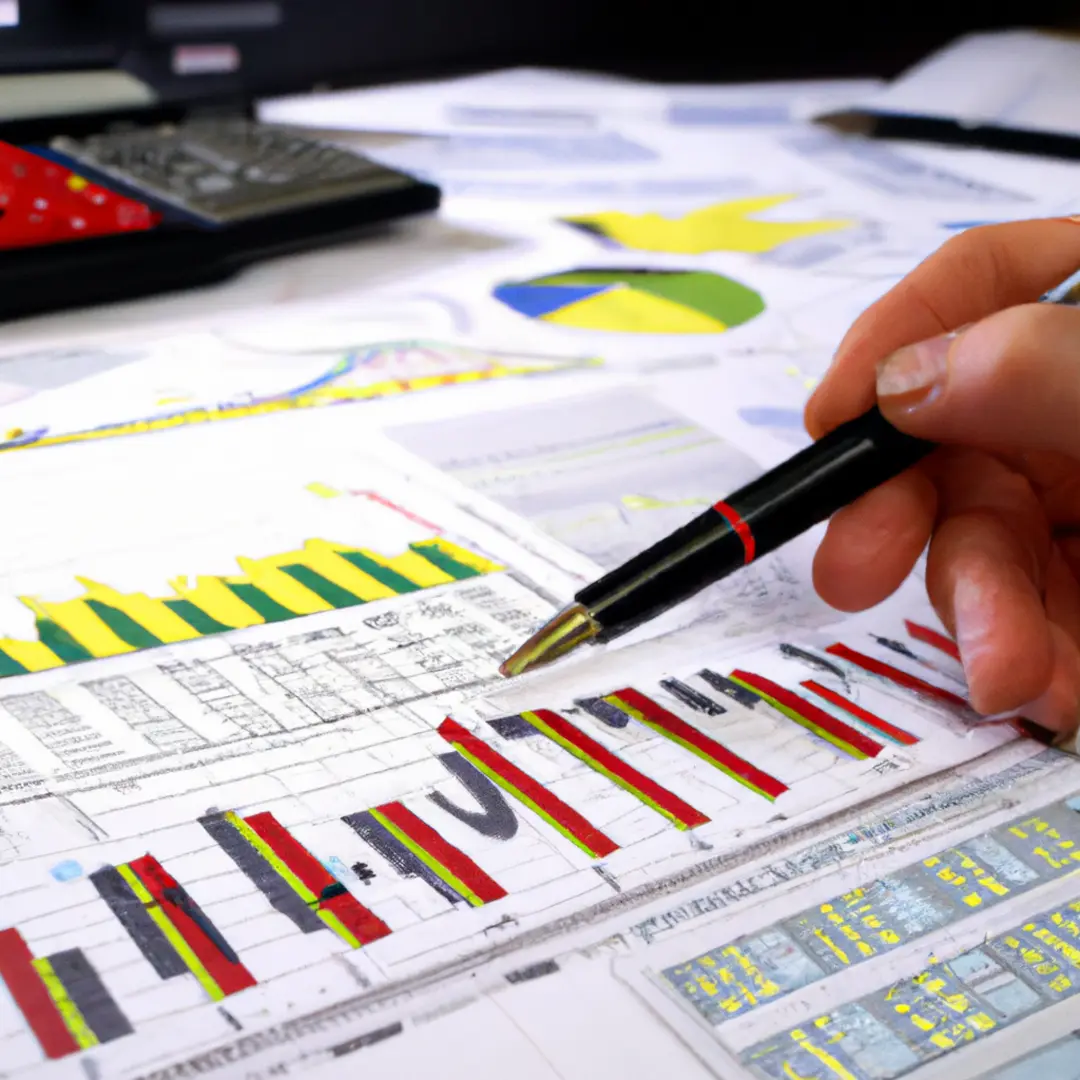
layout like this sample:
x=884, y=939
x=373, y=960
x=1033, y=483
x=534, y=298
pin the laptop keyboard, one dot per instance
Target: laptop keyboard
x=230, y=170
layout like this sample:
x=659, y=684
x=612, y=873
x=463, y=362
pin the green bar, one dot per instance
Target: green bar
x=446, y=563
x=258, y=601
x=390, y=578
x=124, y=626
x=8, y=666
x=52, y=634
x=322, y=587
x=196, y=618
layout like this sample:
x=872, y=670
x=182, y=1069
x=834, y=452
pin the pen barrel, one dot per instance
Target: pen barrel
x=765, y=514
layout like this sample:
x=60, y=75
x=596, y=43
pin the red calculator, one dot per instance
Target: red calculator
x=42, y=202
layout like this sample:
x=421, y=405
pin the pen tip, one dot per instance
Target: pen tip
x=573, y=626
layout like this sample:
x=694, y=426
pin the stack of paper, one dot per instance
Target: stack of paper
x=268, y=810
x=1019, y=79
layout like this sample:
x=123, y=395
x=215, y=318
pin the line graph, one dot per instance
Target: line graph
x=375, y=371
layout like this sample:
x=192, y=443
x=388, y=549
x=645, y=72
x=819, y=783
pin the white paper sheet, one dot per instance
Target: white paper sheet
x=762, y=104
x=521, y=99
x=231, y=372
x=1016, y=79
x=520, y=882
x=332, y=730
x=907, y=927
x=607, y=475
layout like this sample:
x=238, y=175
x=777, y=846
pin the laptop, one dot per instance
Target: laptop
x=131, y=163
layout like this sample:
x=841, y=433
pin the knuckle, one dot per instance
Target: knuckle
x=1010, y=341
x=984, y=259
x=968, y=246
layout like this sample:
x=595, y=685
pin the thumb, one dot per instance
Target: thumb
x=1011, y=381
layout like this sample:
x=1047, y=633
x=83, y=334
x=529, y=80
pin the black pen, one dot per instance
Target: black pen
x=784, y=503
x=768, y=512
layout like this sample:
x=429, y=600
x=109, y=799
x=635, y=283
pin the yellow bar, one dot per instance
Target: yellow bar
x=218, y=601
x=324, y=558
x=338, y=927
x=629, y=709
x=73, y=1019
x=271, y=856
x=82, y=624
x=324, y=491
x=462, y=555
x=275, y=860
x=149, y=613
x=278, y=586
x=583, y=755
x=828, y=1061
x=415, y=567
x=428, y=859
x=176, y=939
x=31, y=654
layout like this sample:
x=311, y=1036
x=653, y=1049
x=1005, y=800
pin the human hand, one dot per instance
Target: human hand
x=959, y=353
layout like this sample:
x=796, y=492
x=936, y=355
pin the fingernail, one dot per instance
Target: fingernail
x=915, y=374
x=1054, y=717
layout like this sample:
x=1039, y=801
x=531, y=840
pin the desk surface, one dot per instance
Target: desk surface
x=235, y=646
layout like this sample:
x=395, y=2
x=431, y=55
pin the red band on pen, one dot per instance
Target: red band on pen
x=742, y=530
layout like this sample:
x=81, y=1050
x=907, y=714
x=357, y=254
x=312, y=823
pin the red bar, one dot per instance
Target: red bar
x=565, y=816
x=710, y=749
x=812, y=714
x=33, y=1000
x=667, y=800
x=841, y=702
x=454, y=859
x=901, y=678
x=932, y=637
x=229, y=975
x=364, y=925
x=374, y=496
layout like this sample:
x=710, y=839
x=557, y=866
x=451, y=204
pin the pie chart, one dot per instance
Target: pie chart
x=635, y=301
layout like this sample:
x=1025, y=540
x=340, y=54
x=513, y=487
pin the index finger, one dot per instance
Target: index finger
x=970, y=276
